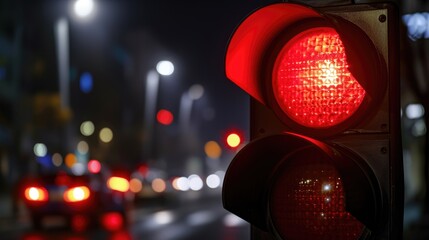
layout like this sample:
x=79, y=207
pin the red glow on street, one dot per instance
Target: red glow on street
x=112, y=221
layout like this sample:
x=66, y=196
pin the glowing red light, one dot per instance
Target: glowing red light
x=36, y=194
x=143, y=169
x=233, y=140
x=121, y=235
x=311, y=80
x=308, y=201
x=112, y=221
x=94, y=166
x=164, y=117
x=77, y=194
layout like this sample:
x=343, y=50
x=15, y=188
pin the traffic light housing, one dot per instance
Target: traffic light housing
x=325, y=160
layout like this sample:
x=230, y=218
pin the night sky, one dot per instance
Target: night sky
x=131, y=36
x=120, y=43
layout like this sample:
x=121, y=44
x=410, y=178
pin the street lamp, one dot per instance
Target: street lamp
x=165, y=68
x=83, y=8
x=195, y=92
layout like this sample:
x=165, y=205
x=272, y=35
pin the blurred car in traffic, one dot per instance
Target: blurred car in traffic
x=149, y=185
x=80, y=201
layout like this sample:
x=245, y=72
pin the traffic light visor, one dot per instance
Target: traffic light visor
x=320, y=73
x=253, y=36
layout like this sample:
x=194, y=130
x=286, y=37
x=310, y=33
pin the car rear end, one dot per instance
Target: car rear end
x=65, y=196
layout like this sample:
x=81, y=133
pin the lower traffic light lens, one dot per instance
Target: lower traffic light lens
x=308, y=201
x=312, y=83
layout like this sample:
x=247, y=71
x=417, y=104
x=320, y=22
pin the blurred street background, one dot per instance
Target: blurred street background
x=139, y=87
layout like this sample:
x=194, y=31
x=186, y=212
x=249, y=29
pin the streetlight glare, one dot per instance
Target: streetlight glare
x=165, y=68
x=83, y=8
x=106, y=135
x=87, y=128
x=40, y=149
x=212, y=149
x=415, y=111
x=196, y=91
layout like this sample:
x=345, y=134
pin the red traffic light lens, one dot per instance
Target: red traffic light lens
x=308, y=200
x=311, y=80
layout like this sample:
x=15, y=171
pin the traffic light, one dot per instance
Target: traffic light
x=233, y=139
x=325, y=157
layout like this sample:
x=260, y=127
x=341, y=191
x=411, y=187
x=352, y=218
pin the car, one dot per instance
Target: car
x=80, y=200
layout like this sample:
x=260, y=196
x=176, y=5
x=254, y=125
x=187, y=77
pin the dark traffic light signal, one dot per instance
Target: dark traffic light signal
x=325, y=160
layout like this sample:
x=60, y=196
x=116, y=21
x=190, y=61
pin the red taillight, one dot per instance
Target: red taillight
x=118, y=184
x=308, y=201
x=36, y=194
x=112, y=221
x=311, y=80
x=77, y=194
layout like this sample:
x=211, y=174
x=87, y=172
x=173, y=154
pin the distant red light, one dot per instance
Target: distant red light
x=233, y=140
x=164, y=117
x=94, y=166
x=112, y=221
x=143, y=169
x=311, y=80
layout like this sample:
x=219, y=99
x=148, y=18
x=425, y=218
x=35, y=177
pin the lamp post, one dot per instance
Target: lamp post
x=165, y=68
x=62, y=44
x=189, y=135
x=195, y=92
x=82, y=9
